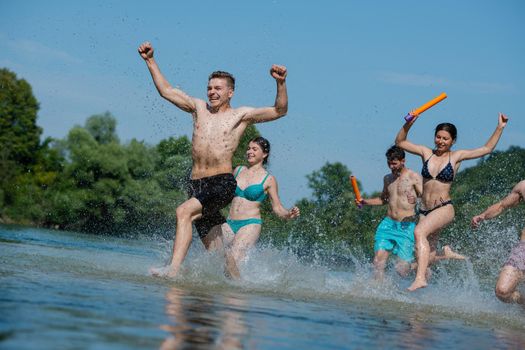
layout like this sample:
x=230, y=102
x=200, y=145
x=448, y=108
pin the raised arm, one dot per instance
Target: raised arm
x=489, y=146
x=280, y=107
x=277, y=207
x=175, y=96
x=401, y=140
x=511, y=200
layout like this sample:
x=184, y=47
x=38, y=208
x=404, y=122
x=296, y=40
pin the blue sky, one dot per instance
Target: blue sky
x=355, y=69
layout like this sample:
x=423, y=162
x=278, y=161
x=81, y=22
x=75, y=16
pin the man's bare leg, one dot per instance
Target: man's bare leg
x=508, y=280
x=213, y=240
x=187, y=212
x=380, y=259
x=403, y=268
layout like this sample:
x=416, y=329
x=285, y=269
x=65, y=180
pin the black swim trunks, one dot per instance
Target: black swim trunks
x=214, y=193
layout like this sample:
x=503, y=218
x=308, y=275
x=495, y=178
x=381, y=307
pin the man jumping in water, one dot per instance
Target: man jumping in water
x=217, y=129
x=513, y=271
x=395, y=233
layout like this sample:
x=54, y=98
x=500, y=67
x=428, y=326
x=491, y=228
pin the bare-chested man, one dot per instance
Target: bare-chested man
x=513, y=271
x=217, y=129
x=395, y=233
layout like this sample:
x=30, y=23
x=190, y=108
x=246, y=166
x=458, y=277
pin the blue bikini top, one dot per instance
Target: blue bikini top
x=254, y=193
x=445, y=175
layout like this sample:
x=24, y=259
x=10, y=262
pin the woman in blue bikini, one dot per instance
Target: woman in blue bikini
x=254, y=184
x=437, y=211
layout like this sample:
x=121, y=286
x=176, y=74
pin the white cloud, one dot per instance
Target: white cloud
x=36, y=49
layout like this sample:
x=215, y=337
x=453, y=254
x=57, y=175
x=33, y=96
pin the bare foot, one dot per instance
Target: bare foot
x=417, y=284
x=165, y=271
x=450, y=254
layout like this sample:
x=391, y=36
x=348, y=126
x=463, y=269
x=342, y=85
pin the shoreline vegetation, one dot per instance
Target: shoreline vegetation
x=91, y=182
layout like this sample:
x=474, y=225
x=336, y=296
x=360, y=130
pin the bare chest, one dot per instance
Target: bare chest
x=212, y=126
x=401, y=186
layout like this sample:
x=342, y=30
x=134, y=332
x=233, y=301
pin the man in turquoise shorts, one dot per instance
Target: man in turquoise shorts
x=396, y=232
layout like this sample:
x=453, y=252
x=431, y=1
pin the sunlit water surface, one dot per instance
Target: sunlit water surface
x=63, y=290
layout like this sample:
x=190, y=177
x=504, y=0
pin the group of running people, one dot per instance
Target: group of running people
x=217, y=130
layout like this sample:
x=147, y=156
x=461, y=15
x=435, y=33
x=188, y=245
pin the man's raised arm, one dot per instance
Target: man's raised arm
x=280, y=108
x=175, y=96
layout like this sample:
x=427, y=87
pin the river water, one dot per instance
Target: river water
x=64, y=290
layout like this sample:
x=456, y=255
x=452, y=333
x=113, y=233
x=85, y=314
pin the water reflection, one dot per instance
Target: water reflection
x=510, y=339
x=419, y=333
x=419, y=330
x=202, y=321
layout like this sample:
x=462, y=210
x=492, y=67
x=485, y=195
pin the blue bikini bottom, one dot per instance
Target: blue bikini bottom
x=236, y=225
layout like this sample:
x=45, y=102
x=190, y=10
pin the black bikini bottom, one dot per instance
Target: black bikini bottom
x=426, y=212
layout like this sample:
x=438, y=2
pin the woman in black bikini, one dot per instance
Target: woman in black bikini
x=437, y=211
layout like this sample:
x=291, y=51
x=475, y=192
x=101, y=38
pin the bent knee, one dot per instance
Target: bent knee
x=183, y=213
x=419, y=234
x=403, y=269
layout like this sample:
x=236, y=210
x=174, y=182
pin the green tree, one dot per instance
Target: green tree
x=19, y=134
x=330, y=182
x=19, y=145
x=103, y=128
x=330, y=228
x=174, y=146
x=173, y=167
x=141, y=159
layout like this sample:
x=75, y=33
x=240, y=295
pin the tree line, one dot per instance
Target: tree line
x=89, y=181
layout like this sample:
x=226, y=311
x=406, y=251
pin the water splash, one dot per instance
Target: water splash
x=457, y=288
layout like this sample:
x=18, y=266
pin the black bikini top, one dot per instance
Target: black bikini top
x=445, y=175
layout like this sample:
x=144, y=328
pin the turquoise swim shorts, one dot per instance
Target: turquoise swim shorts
x=396, y=237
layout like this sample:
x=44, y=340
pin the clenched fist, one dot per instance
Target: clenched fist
x=278, y=72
